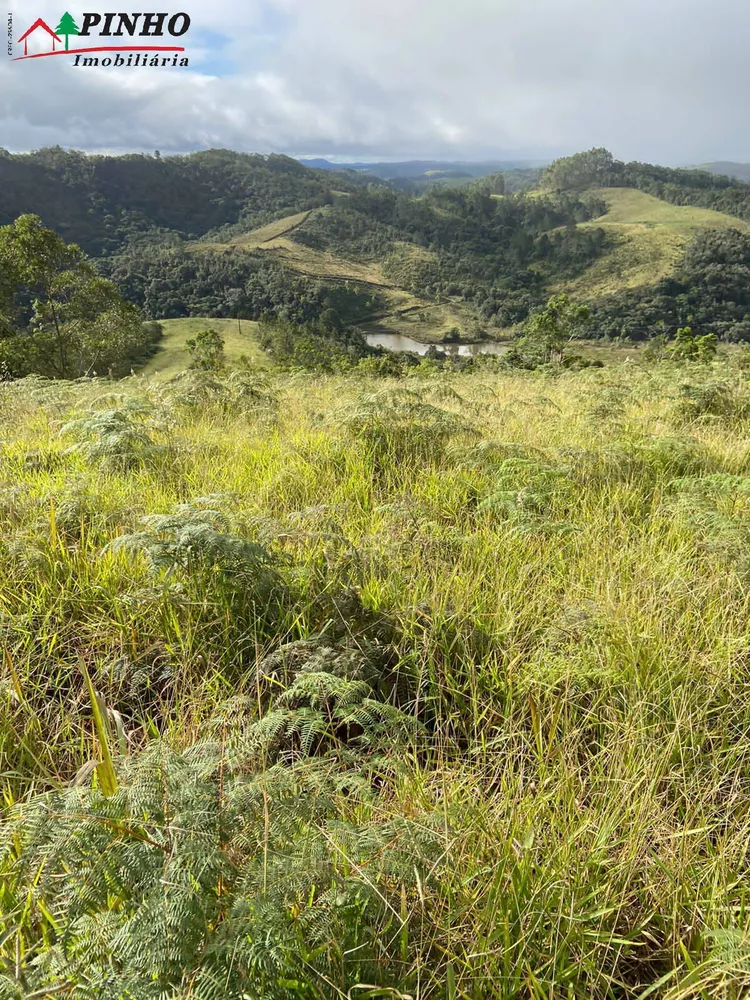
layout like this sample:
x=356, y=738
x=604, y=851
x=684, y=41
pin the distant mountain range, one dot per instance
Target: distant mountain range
x=412, y=169
x=741, y=171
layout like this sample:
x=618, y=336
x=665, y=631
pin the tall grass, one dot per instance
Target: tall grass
x=548, y=575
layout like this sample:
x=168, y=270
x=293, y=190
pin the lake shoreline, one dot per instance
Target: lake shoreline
x=400, y=342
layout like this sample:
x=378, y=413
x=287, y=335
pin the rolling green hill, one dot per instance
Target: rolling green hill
x=647, y=240
x=173, y=357
x=226, y=234
x=399, y=310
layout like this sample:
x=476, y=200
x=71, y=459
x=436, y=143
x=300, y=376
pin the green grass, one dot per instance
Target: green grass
x=649, y=239
x=627, y=206
x=548, y=574
x=173, y=357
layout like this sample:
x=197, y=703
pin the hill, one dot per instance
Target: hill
x=647, y=240
x=678, y=246
x=418, y=176
x=394, y=308
x=103, y=202
x=172, y=356
x=461, y=262
x=226, y=234
x=700, y=188
x=449, y=263
x=726, y=168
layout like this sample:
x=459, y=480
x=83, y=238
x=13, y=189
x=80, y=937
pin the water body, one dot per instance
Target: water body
x=397, y=342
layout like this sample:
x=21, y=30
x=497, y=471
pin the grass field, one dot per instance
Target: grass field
x=650, y=238
x=626, y=206
x=507, y=752
x=273, y=239
x=258, y=237
x=173, y=357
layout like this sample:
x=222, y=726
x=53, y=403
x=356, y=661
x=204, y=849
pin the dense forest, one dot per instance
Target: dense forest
x=100, y=202
x=171, y=282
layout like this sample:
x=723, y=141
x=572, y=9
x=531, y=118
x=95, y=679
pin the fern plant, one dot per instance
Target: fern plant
x=227, y=870
x=713, y=400
x=201, y=561
x=532, y=495
x=717, y=510
x=116, y=439
x=239, y=392
x=396, y=425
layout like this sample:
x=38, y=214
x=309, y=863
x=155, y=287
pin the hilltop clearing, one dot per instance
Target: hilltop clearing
x=647, y=240
x=172, y=356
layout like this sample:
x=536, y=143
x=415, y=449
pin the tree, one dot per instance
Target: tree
x=689, y=347
x=67, y=26
x=37, y=263
x=582, y=170
x=207, y=351
x=548, y=332
x=491, y=184
x=58, y=317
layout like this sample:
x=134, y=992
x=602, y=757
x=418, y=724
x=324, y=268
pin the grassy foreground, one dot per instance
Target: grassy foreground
x=436, y=688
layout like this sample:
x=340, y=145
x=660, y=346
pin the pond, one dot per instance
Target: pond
x=397, y=342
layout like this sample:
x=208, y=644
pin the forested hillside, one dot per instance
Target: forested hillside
x=493, y=254
x=200, y=235
x=680, y=187
x=99, y=202
x=695, y=266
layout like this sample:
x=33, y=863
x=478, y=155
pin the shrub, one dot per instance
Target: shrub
x=689, y=347
x=206, y=351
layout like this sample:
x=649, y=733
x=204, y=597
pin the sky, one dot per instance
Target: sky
x=662, y=81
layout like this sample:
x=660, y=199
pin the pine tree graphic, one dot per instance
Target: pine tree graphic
x=67, y=27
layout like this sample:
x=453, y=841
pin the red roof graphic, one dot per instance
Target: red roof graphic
x=39, y=23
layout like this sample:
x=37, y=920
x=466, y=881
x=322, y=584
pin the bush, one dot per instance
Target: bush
x=206, y=351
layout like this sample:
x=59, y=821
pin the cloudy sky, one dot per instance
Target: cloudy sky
x=659, y=80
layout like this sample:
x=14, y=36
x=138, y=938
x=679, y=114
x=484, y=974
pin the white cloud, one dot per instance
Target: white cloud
x=409, y=78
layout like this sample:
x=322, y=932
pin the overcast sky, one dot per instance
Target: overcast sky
x=658, y=80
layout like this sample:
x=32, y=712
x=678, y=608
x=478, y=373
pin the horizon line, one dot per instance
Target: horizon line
x=105, y=48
